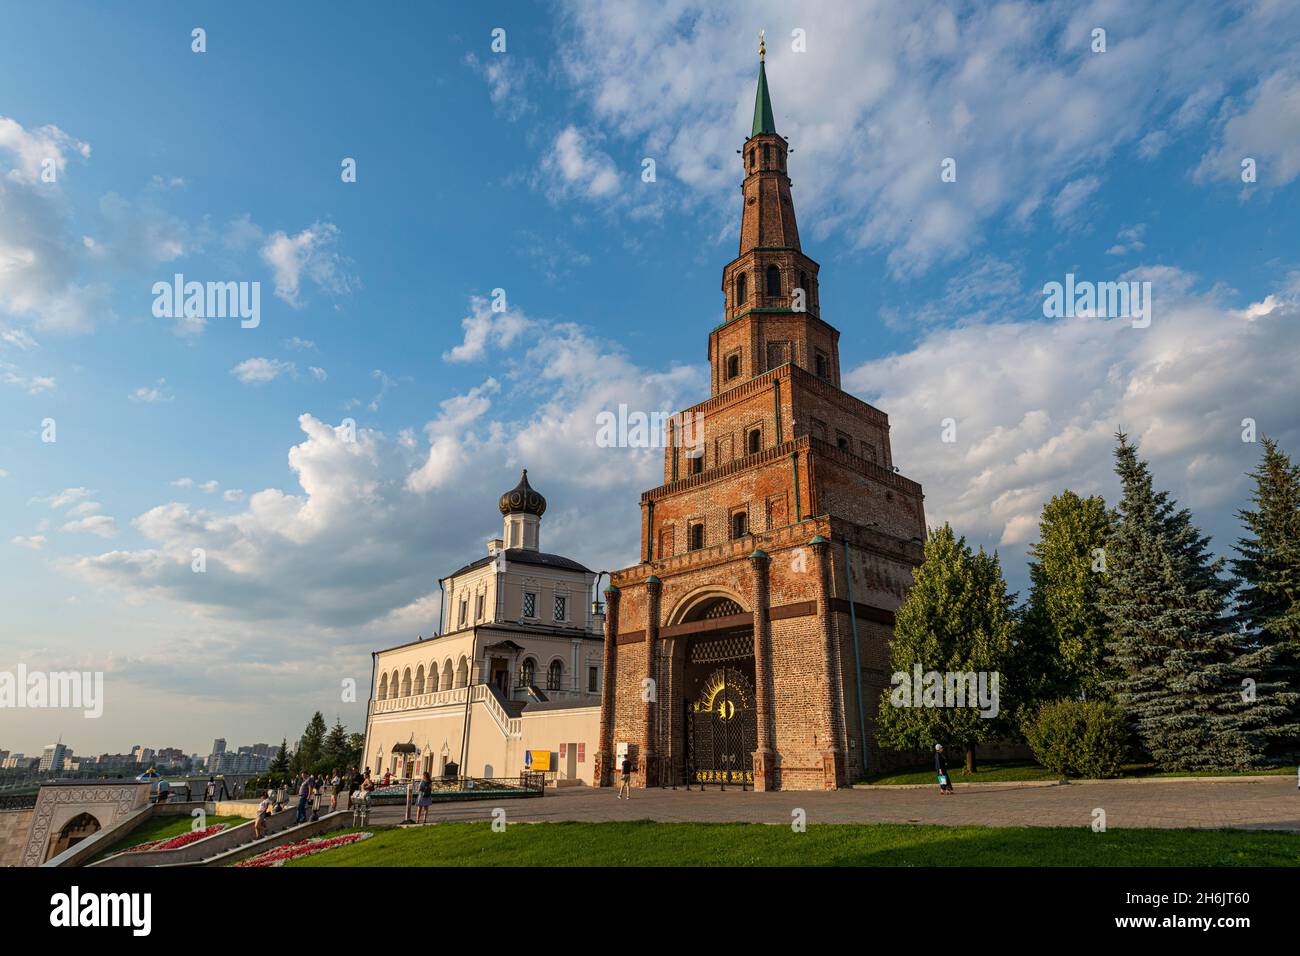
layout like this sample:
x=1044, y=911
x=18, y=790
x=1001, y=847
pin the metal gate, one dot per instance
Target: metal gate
x=722, y=729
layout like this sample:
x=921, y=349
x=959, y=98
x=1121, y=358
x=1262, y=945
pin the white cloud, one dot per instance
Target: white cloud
x=208, y=487
x=151, y=394
x=483, y=327
x=33, y=543
x=37, y=149
x=576, y=167
x=886, y=91
x=233, y=494
x=63, y=498
x=256, y=370
x=312, y=255
x=1130, y=240
x=336, y=551
x=506, y=77
x=184, y=482
x=318, y=373
x=1036, y=404
x=1267, y=130
x=102, y=525
x=31, y=384
x=1070, y=200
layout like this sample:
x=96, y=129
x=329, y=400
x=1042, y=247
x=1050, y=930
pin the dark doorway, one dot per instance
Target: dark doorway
x=721, y=721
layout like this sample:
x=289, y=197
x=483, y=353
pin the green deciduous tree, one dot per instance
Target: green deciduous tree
x=957, y=618
x=1062, y=644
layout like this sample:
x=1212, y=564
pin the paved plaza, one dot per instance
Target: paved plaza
x=1272, y=803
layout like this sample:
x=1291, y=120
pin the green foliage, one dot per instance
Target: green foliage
x=1174, y=651
x=337, y=751
x=311, y=749
x=1269, y=562
x=957, y=617
x=1079, y=738
x=1062, y=643
x=279, y=766
x=1268, y=600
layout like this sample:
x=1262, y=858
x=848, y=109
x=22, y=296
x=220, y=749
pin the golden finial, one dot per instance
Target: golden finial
x=762, y=47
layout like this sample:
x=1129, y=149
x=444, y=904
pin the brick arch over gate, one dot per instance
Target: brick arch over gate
x=698, y=603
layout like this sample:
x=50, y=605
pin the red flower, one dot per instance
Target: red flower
x=277, y=856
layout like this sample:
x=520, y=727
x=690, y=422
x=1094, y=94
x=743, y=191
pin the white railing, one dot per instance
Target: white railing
x=438, y=698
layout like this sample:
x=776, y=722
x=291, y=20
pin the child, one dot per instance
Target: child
x=263, y=811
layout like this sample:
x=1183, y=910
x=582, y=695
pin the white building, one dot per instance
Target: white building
x=518, y=667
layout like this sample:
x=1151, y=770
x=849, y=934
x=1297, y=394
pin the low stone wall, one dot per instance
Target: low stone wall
x=96, y=842
x=14, y=826
x=222, y=843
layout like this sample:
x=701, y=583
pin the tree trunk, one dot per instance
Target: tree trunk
x=970, y=758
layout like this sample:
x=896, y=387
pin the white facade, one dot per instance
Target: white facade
x=518, y=663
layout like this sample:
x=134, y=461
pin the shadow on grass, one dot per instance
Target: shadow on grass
x=647, y=843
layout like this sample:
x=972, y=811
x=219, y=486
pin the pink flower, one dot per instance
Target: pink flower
x=277, y=856
x=176, y=842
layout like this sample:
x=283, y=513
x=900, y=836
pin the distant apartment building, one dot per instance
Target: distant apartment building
x=55, y=757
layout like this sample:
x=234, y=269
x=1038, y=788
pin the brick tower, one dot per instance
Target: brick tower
x=750, y=645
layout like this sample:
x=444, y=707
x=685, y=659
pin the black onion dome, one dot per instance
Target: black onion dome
x=522, y=498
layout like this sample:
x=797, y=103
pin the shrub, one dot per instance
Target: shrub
x=1078, y=738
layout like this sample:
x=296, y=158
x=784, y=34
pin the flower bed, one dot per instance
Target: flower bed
x=176, y=842
x=292, y=851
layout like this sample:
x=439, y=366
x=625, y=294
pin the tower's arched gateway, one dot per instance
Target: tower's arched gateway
x=752, y=639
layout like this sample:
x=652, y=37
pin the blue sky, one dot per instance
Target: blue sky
x=479, y=170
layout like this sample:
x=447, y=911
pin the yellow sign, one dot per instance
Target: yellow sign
x=538, y=760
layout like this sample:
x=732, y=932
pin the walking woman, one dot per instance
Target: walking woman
x=425, y=799
x=941, y=770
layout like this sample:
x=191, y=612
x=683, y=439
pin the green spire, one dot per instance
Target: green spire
x=763, y=121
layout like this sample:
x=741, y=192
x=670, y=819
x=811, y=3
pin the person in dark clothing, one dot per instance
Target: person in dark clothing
x=941, y=770
x=625, y=790
x=304, y=797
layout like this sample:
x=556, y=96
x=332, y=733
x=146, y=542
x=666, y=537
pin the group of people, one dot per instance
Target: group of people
x=313, y=789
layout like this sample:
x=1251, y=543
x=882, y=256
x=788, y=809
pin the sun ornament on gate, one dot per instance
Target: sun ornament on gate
x=722, y=697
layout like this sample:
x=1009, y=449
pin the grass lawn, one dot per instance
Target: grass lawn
x=990, y=771
x=1003, y=771
x=645, y=843
x=160, y=828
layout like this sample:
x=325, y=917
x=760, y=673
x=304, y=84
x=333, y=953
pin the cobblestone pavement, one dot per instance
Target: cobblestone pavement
x=1272, y=804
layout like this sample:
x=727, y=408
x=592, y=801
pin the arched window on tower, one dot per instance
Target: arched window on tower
x=739, y=525
x=733, y=366
x=773, y=281
x=755, y=441
x=767, y=153
x=383, y=688
x=742, y=289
